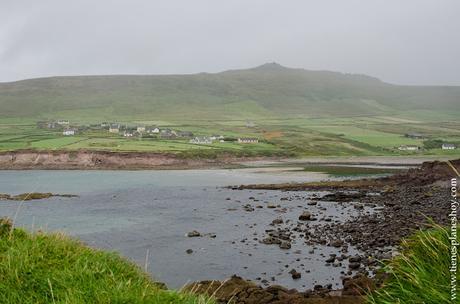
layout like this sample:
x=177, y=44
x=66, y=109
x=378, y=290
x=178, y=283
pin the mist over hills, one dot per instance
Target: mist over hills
x=266, y=91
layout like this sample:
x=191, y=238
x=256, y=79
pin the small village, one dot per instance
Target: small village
x=419, y=136
x=229, y=152
x=66, y=128
x=142, y=131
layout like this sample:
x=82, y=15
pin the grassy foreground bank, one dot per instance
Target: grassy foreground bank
x=420, y=274
x=52, y=268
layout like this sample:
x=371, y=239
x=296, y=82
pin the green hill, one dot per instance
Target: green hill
x=267, y=91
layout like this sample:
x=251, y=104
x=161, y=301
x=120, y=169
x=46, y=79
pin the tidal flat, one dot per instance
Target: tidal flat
x=146, y=216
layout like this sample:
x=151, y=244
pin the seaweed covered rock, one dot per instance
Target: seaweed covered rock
x=237, y=290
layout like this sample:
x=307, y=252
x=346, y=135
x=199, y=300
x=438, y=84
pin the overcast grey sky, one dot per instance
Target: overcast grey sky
x=398, y=41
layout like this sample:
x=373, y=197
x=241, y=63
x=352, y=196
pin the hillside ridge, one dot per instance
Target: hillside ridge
x=269, y=90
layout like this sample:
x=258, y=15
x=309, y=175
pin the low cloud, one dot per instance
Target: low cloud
x=406, y=42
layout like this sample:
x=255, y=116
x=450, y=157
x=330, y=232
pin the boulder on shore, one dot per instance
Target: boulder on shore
x=305, y=216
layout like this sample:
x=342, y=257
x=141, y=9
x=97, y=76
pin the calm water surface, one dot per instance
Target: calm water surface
x=149, y=212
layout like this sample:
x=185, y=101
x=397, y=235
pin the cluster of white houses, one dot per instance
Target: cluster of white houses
x=117, y=128
x=206, y=140
x=166, y=133
x=58, y=124
x=414, y=135
x=67, y=129
x=131, y=131
x=444, y=146
x=61, y=124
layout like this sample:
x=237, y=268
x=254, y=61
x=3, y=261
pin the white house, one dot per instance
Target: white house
x=201, y=140
x=140, y=129
x=128, y=134
x=154, y=130
x=448, y=147
x=63, y=122
x=68, y=132
x=248, y=140
x=409, y=148
x=114, y=128
x=216, y=137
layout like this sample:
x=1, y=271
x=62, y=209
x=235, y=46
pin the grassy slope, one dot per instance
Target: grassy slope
x=292, y=137
x=312, y=112
x=51, y=268
x=420, y=274
x=259, y=93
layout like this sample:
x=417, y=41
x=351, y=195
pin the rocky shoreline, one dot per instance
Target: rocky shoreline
x=238, y=290
x=401, y=204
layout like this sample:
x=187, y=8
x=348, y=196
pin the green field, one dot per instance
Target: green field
x=296, y=112
x=378, y=135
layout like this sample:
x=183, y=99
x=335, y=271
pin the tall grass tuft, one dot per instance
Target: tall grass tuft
x=53, y=268
x=420, y=274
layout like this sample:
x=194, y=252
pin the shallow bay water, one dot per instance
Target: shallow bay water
x=145, y=216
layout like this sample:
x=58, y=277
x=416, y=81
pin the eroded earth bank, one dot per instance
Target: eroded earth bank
x=86, y=160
